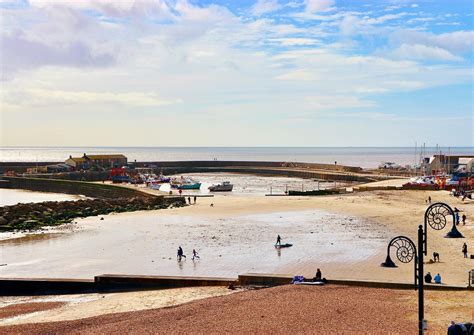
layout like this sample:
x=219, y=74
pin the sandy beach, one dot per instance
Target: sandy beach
x=300, y=309
x=345, y=235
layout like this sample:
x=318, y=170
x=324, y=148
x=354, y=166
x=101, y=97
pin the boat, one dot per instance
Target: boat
x=224, y=187
x=286, y=245
x=193, y=186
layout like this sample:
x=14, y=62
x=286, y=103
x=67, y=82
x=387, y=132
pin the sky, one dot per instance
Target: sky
x=236, y=73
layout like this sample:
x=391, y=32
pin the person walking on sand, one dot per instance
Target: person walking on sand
x=180, y=253
x=278, y=240
x=195, y=255
x=464, y=217
x=429, y=199
x=464, y=250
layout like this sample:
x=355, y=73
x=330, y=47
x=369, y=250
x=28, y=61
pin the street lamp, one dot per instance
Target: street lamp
x=406, y=251
x=436, y=216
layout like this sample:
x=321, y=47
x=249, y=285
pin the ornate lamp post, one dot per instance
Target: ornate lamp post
x=406, y=251
x=436, y=217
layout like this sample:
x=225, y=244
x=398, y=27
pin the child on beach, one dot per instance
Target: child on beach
x=195, y=255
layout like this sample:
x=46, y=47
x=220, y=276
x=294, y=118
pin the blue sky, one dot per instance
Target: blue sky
x=237, y=73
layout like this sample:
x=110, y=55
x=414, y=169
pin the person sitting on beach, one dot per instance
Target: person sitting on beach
x=318, y=276
x=195, y=255
x=437, y=279
x=435, y=257
x=428, y=278
x=278, y=240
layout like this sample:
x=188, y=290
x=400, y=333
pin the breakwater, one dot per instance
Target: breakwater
x=93, y=190
x=286, y=169
x=52, y=213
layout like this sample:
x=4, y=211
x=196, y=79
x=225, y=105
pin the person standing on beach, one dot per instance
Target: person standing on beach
x=195, y=255
x=464, y=217
x=464, y=250
x=195, y=199
x=429, y=199
x=278, y=240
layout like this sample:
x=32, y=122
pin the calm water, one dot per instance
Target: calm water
x=13, y=197
x=364, y=157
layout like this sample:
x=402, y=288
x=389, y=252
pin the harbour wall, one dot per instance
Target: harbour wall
x=93, y=190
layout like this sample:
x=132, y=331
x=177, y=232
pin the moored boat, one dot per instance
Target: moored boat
x=193, y=186
x=224, y=187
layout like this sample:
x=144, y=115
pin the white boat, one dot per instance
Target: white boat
x=224, y=187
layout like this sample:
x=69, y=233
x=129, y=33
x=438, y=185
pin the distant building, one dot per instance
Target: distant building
x=87, y=162
x=441, y=164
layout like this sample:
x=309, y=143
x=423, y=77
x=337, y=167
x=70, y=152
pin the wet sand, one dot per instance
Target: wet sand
x=145, y=243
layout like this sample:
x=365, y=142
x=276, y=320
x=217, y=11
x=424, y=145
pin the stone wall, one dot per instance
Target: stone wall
x=93, y=190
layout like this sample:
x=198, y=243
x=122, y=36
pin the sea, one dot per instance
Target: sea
x=365, y=157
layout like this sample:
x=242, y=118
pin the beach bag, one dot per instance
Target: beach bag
x=297, y=279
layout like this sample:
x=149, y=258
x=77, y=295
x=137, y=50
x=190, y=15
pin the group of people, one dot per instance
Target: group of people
x=189, y=199
x=180, y=254
x=458, y=218
x=429, y=278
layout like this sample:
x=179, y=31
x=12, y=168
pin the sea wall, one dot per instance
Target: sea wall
x=189, y=164
x=93, y=190
x=21, y=167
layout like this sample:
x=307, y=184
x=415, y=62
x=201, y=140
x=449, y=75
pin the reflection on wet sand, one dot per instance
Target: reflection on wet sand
x=138, y=243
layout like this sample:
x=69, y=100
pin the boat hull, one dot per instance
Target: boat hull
x=195, y=186
x=221, y=188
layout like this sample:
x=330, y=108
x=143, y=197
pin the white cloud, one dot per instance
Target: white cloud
x=315, y=6
x=46, y=97
x=420, y=51
x=328, y=102
x=456, y=41
x=265, y=6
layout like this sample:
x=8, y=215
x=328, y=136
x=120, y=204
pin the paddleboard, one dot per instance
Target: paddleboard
x=286, y=245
